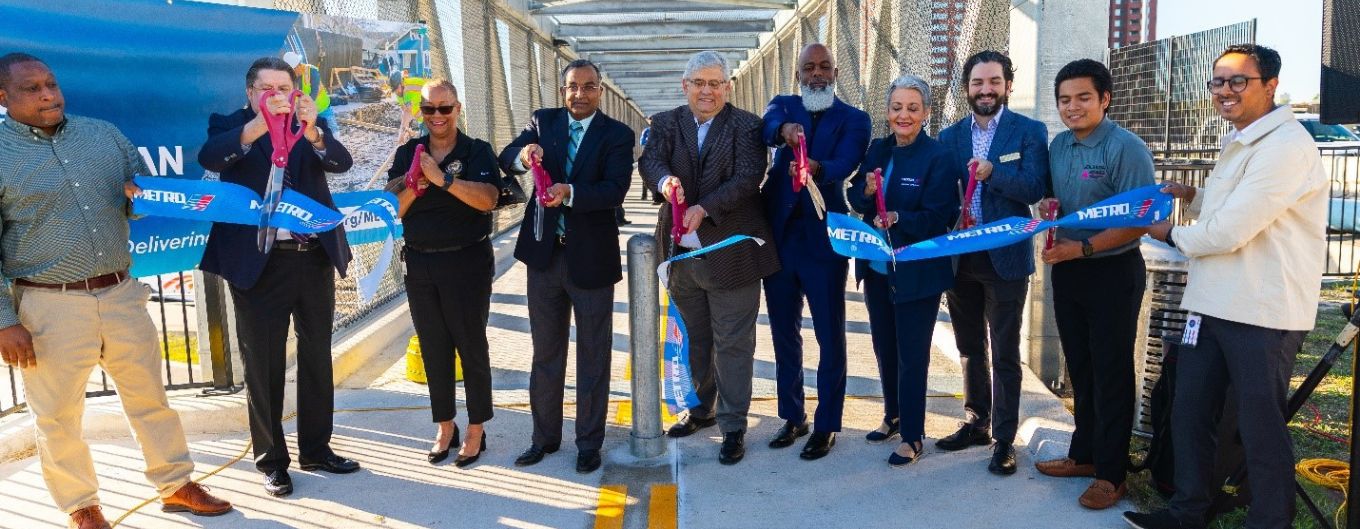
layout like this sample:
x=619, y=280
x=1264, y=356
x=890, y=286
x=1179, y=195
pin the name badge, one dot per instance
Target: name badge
x=1010, y=157
x=1191, y=335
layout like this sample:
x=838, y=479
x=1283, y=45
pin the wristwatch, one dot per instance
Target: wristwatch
x=1169, y=241
x=320, y=138
x=1086, y=248
x=448, y=181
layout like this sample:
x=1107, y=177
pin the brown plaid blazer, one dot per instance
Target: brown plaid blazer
x=724, y=178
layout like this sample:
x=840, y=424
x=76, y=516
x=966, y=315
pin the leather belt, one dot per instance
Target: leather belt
x=93, y=283
x=294, y=246
x=418, y=249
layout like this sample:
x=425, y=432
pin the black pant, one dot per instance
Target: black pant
x=300, y=285
x=1096, y=302
x=553, y=298
x=450, y=298
x=981, y=301
x=1255, y=363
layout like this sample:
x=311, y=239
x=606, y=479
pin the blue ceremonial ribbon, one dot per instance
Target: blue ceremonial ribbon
x=1134, y=208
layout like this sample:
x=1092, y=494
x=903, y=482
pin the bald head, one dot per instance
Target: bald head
x=816, y=66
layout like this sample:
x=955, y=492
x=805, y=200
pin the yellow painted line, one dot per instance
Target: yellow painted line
x=661, y=512
x=609, y=510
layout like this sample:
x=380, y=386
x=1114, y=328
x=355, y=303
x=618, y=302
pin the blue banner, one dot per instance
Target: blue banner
x=678, y=389
x=1144, y=206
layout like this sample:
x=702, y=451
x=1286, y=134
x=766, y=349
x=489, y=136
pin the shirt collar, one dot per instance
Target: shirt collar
x=28, y=130
x=991, y=125
x=585, y=123
x=1096, y=136
x=1261, y=126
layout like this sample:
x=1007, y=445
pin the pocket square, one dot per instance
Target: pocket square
x=1010, y=157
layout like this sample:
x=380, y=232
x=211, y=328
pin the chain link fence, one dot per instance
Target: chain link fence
x=875, y=41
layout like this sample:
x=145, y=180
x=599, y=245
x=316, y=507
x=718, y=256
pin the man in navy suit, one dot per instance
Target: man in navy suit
x=294, y=280
x=575, y=265
x=1009, y=154
x=837, y=135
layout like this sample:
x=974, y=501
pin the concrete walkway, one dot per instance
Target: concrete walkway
x=383, y=421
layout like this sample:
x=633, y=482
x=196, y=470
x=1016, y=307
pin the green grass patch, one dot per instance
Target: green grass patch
x=1328, y=414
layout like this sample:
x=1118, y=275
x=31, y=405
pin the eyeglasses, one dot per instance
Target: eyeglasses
x=266, y=88
x=1236, y=83
x=430, y=110
x=699, y=84
x=582, y=89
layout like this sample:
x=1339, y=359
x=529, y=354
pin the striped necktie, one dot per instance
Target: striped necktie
x=573, y=143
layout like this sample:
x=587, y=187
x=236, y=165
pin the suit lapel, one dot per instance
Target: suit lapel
x=716, y=131
x=1004, y=129
x=827, y=131
x=590, y=142
x=689, y=136
x=555, y=158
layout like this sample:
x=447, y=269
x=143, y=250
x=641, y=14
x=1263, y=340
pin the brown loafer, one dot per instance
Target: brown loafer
x=194, y=498
x=1065, y=468
x=88, y=518
x=1102, y=495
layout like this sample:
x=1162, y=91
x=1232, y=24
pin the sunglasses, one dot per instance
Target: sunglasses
x=429, y=111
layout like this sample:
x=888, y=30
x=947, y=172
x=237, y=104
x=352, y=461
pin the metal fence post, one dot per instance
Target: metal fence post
x=215, y=325
x=643, y=326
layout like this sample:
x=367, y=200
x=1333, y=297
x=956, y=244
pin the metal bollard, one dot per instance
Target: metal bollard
x=643, y=325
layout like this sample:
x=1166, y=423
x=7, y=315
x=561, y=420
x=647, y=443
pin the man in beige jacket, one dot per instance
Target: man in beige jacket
x=1256, y=260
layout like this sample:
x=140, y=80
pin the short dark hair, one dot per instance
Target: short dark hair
x=1267, y=60
x=268, y=63
x=580, y=63
x=1007, y=69
x=1094, y=70
x=9, y=60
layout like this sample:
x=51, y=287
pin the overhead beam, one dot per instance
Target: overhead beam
x=654, y=57
x=621, y=74
x=733, y=42
x=662, y=28
x=588, y=7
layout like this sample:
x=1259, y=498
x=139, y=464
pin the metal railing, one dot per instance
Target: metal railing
x=1342, y=166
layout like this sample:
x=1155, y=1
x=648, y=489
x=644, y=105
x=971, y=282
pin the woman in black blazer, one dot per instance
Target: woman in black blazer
x=903, y=298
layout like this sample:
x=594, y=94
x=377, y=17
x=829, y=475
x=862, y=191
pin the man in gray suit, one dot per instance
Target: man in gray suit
x=709, y=155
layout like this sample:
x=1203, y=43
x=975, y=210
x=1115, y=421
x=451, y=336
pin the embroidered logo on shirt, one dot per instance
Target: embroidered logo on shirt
x=1093, y=172
x=911, y=182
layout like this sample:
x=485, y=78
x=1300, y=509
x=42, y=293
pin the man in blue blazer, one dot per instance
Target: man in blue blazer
x=589, y=157
x=837, y=135
x=295, y=279
x=1010, y=155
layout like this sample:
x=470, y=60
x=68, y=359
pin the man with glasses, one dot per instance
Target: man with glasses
x=294, y=280
x=1256, y=259
x=709, y=156
x=836, y=136
x=572, y=256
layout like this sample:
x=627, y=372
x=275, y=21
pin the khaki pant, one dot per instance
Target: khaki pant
x=72, y=332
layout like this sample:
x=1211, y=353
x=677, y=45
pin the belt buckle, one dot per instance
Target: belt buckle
x=562, y=240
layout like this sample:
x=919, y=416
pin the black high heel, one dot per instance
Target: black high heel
x=462, y=460
x=435, y=457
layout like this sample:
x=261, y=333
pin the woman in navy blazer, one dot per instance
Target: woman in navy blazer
x=922, y=202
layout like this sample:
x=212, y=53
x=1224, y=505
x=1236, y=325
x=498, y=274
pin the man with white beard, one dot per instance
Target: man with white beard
x=836, y=136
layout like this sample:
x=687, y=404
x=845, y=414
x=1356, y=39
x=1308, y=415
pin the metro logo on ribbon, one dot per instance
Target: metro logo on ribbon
x=1146, y=205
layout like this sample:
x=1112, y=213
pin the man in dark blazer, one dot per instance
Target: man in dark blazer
x=1010, y=152
x=589, y=156
x=294, y=280
x=837, y=135
x=709, y=155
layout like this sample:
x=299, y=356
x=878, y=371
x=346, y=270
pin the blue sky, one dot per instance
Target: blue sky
x=1293, y=27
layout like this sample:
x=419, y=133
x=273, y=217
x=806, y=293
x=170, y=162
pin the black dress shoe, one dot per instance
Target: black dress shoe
x=462, y=460
x=968, y=435
x=436, y=457
x=1157, y=520
x=1003, y=459
x=818, y=446
x=788, y=433
x=333, y=464
x=733, y=448
x=588, y=461
x=278, y=483
x=689, y=425
x=534, y=454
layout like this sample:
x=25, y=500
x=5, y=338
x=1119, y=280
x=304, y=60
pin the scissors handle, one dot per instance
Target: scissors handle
x=281, y=134
x=414, y=173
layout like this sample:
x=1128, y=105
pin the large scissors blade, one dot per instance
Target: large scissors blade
x=273, y=194
x=538, y=220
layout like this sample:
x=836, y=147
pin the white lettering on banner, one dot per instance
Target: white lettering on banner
x=167, y=161
x=155, y=244
x=852, y=236
x=1100, y=212
x=291, y=209
x=160, y=195
x=1001, y=228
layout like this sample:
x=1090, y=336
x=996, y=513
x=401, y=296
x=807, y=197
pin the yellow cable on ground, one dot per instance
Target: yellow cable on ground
x=1328, y=473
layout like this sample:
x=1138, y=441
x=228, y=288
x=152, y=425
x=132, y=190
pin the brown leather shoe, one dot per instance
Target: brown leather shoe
x=1102, y=495
x=1065, y=468
x=88, y=518
x=194, y=498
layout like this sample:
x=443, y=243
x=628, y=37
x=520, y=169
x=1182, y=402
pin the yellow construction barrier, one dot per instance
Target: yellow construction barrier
x=415, y=365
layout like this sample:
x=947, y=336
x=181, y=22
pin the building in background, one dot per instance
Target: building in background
x=1132, y=22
